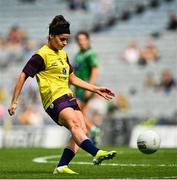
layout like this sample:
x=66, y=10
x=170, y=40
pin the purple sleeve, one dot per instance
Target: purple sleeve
x=34, y=65
x=70, y=67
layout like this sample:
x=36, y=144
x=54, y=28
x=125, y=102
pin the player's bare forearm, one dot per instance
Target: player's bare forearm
x=18, y=87
x=80, y=83
x=17, y=90
x=102, y=91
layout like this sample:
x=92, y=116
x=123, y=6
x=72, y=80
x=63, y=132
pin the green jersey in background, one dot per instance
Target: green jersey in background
x=83, y=63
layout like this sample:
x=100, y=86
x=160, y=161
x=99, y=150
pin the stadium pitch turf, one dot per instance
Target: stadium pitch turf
x=38, y=163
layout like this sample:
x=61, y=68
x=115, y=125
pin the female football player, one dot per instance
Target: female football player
x=54, y=73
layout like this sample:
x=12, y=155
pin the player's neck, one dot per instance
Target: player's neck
x=52, y=47
x=85, y=49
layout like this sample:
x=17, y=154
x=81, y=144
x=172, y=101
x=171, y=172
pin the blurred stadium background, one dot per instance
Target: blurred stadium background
x=136, y=42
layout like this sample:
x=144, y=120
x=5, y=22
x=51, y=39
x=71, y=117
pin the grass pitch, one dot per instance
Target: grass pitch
x=38, y=163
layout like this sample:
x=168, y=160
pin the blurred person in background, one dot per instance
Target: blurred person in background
x=27, y=1
x=3, y=98
x=149, y=53
x=3, y=52
x=102, y=6
x=86, y=68
x=167, y=82
x=172, y=24
x=16, y=38
x=31, y=88
x=29, y=48
x=16, y=35
x=121, y=103
x=150, y=81
x=3, y=94
x=30, y=116
x=131, y=54
x=78, y=4
x=2, y=113
x=97, y=110
x=50, y=65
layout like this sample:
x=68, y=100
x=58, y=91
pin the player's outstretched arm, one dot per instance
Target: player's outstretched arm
x=17, y=90
x=102, y=91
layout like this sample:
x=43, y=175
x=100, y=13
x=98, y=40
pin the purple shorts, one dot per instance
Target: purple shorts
x=59, y=104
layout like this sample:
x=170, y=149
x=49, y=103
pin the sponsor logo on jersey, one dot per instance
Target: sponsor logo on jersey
x=52, y=106
x=64, y=71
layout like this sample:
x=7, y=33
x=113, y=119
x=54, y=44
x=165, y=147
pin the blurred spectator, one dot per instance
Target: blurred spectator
x=3, y=94
x=27, y=1
x=16, y=35
x=2, y=113
x=2, y=42
x=172, y=24
x=150, y=81
x=140, y=8
x=132, y=53
x=78, y=4
x=121, y=103
x=31, y=91
x=29, y=49
x=15, y=47
x=102, y=6
x=3, y=53
x=97, y=105
x=30, y=116
x=154, y=3
x=167, y=82
x=15, y=40
x=126, y=15
x=150, y=53
x=97, y=109
x=107, y=6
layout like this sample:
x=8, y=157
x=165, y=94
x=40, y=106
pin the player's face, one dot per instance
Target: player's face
x=59, y=41
x=83, y=41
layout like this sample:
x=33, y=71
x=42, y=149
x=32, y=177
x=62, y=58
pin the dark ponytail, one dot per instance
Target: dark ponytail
x=59, y=25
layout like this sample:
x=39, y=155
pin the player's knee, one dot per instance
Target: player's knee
x=75, y=125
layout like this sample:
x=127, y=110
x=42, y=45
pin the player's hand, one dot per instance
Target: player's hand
x=105, y=92
x=12, y=108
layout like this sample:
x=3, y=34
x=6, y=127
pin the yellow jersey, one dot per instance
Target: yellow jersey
x=53, y=81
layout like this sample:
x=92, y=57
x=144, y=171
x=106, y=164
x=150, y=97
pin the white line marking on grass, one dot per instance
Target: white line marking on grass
x=165, y=177
x=45, y=159
x=170, y=177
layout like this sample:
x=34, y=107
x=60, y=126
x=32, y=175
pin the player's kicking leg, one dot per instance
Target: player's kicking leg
x=73, y=120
